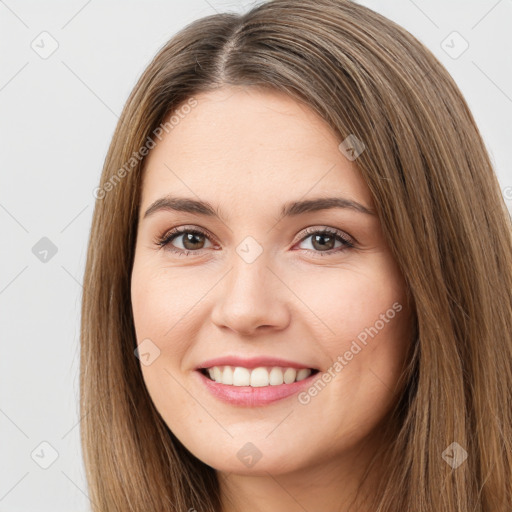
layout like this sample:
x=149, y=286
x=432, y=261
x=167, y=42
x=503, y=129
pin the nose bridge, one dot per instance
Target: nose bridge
x=249, y=296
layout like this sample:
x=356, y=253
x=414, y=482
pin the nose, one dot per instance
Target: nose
x=251, y=298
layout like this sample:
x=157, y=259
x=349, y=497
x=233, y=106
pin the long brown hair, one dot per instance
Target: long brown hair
x=441, y=210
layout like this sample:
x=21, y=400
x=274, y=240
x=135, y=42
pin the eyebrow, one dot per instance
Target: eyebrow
x=292, y=208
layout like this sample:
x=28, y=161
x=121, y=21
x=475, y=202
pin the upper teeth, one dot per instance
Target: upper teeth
x=257, y=377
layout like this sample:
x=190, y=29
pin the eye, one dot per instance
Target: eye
x=192, y=240
x=323, y=241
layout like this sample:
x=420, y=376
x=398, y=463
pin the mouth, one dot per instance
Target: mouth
x=262, y=376
x=256, y=387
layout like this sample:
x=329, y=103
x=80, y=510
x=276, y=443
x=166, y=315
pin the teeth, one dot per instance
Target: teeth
x=289, y=375
x=257, y=377
x=241, y=377
x=276, y=376
x=227, y=375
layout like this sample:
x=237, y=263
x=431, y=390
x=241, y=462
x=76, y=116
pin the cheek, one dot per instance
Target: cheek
x=353, y=301
x=161, y=301
x=336, y=308
x=365, y=330
x=167, y=310
x=159, y=313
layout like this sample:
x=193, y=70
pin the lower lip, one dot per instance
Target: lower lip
x=257, y=396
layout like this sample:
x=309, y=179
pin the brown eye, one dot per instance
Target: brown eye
x=192, y=240
x=324, y=241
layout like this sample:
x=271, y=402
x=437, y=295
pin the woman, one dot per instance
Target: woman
x=298, y=282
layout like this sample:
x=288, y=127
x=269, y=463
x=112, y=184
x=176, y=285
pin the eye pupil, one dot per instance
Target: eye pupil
x=329, y=244
x=192, y=238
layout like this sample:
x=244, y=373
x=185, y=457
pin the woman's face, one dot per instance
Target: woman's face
x=257, y=284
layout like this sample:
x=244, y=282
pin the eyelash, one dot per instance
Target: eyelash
x=169, y=236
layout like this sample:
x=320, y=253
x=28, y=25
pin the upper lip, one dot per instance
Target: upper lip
x=252, y=362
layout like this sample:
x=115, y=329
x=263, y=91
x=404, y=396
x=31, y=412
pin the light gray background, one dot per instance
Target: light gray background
x=58, y=115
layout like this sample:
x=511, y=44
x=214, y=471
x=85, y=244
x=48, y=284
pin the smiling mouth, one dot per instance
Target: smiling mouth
x=256, y=377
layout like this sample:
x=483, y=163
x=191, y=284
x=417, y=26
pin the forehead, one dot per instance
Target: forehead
x=260, y=144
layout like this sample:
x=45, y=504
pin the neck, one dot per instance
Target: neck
x=330, y=485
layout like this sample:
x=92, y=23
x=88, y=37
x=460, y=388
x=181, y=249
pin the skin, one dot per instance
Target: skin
x=247, y=151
